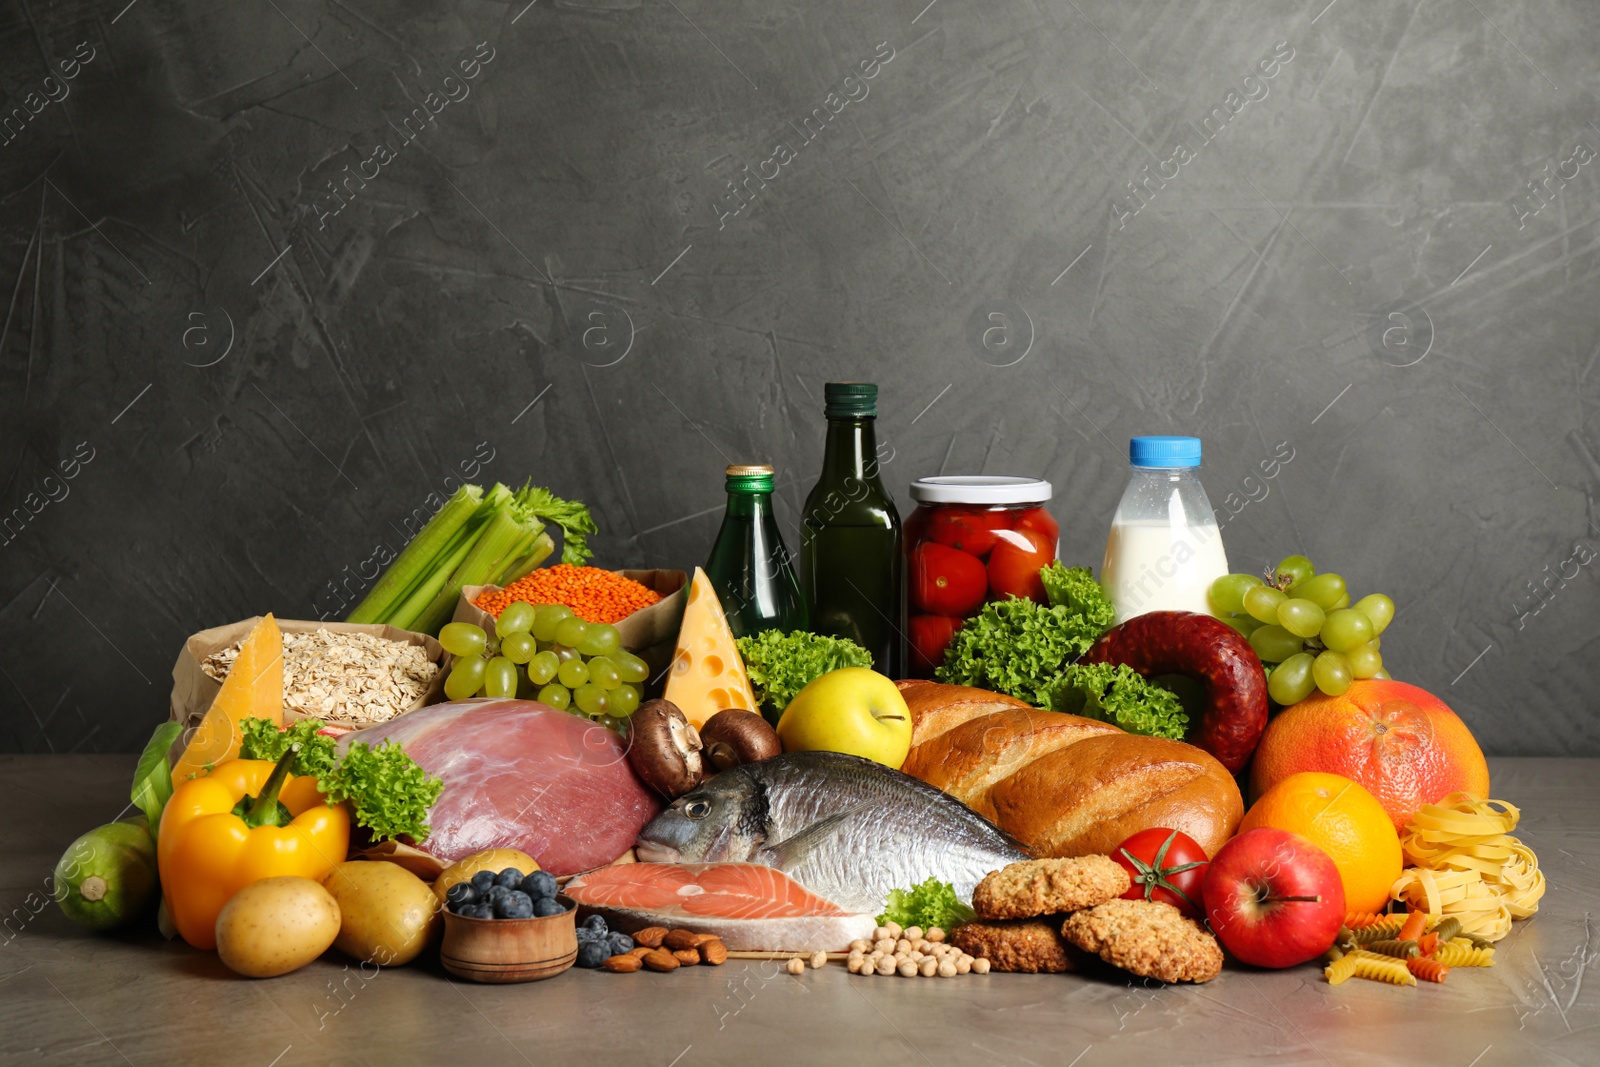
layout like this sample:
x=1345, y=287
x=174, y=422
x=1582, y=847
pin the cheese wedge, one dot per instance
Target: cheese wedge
x=707, y=672
x=253, y=689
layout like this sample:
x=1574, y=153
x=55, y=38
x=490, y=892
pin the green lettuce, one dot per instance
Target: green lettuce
x=1017, y=647
x=386, y=788
x=782, y=664
x=1118, y=694
x=933, y=903
x=1075, y=589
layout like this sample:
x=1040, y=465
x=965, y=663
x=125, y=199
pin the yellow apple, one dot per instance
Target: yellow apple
x=852, y=710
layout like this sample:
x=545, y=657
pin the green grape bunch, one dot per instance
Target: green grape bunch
x=545, y=652
x=1304, y=627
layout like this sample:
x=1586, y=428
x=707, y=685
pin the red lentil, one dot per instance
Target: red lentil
x=593, y=593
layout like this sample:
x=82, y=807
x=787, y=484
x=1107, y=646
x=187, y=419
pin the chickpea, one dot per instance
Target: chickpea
x=947, y=969
x=796, y=965
x=980, y=966
x=913, y=933
x=880, y=933
x=893, y=929
x=934, y=934
x=854, y=964
x=861, y=945
x=886, y=966
x=884, y=944
x=818, y=958
x=914, y=956
x=902, y=945
x=963, y=964
x=928, y=967
x=908, y=969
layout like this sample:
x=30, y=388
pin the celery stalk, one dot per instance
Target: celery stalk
x=531, y=531
x=537, y=553
x=420, y=556
x=421, y=595
x=500, y=535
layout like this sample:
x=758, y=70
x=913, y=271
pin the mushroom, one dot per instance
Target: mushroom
x=663, y=749
x=734, y=736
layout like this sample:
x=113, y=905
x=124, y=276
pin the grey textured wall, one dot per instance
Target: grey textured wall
x=260, y=307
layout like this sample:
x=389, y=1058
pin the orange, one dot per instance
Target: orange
x=1346, y=822
x=1402, y=743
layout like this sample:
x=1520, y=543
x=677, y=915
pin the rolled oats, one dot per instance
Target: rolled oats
x=347, y=677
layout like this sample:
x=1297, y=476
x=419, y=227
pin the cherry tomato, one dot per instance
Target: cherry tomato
x=969, y=529
x=945, y=581
x=1015, y=563
x=1165, y=865
x=930, y=636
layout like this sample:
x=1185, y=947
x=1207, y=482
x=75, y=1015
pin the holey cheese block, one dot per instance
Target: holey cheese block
x=707, y=673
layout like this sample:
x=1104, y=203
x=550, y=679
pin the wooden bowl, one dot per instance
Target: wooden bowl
x=510, y=950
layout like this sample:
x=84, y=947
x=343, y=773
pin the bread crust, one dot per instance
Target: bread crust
x=1091, y=796
x=1049, y=886
x=936, y=707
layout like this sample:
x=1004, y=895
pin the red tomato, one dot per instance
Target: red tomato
x=930, y=636
x=1041, y=520
x=969, y=529
x=1165, y=865
x=945, y=581
x=1015, y=563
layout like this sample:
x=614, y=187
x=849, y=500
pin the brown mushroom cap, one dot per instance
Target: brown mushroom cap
x=664, y=750
x=734, y=736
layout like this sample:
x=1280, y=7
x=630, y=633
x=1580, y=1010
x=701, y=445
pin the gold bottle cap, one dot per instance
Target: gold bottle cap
x=747, y=470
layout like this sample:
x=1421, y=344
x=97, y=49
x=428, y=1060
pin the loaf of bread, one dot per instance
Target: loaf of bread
x=1061, y=784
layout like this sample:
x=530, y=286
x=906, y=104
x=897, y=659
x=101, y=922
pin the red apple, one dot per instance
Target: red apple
x=1273, y=898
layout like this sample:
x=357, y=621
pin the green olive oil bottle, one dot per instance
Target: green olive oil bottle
x=750, y=565
x=852, y=570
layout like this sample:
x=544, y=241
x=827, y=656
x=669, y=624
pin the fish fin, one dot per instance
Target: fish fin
x=792, y=851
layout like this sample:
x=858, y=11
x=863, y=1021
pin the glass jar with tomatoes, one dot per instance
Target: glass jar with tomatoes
x=972, y=539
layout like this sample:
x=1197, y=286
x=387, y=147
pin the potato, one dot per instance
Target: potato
x=275, y=926
x=389, y=914
x=490, y=859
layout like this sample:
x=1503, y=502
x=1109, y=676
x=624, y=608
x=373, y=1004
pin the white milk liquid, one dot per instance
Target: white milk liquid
x=1154, y=565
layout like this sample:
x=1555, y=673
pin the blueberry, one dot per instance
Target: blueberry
x=461, y=893
x=621, y=944
x=540, y=884
x=495, y=893
x=545, y=906
x=477, y=911
x=511, y=878
x=514, y=905
x=593, y=953
x=597, y=924
x=482, y=881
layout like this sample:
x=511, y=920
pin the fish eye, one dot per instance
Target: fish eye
x=697, y=809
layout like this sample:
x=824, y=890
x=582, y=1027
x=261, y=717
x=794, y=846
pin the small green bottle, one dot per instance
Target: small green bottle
x=852, y=563
x=750, y=565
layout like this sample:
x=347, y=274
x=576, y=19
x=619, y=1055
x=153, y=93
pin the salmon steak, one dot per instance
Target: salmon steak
x=749, y=906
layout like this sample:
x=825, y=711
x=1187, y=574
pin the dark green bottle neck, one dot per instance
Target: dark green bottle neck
x=851, y=450
x=755, y=506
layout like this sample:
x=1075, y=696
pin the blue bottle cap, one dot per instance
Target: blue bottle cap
x=1164, y=451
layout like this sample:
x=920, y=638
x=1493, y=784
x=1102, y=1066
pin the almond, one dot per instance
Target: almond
x=642, y=952
x=714, y=952
x=686, y=956
x=680, y=939
x=624, y=964
x=700, y=939
x=660, y=959
x=650, y=936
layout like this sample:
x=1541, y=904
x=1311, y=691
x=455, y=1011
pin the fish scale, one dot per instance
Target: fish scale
x=844, y=827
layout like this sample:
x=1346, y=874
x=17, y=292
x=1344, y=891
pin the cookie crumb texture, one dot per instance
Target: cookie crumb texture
x=1049, y=886
x=1147, y=938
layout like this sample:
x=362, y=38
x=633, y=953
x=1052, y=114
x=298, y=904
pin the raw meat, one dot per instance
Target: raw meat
x=519, y=774
x=749, y=906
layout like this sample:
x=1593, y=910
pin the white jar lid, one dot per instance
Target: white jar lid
x=979, y=489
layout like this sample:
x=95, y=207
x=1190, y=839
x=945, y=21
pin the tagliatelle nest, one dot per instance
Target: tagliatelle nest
x=344, y=677
x=1462, y=861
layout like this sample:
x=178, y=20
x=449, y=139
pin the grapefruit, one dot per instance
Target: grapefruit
x=1346, y=822
x=1401, y=743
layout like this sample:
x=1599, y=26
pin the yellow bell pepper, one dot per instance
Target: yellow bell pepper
x=245, y=821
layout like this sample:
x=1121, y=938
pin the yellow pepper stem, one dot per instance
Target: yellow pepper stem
x=266, y=809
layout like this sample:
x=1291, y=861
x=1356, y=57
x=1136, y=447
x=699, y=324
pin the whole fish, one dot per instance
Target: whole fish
x=844, y=827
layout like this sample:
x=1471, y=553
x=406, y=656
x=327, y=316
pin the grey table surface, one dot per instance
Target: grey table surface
x=69, y=996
